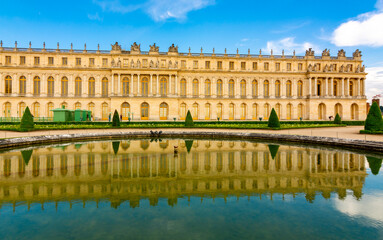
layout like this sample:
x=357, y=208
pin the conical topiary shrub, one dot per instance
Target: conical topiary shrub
x=27, y=123
x=26, y=155
x=273, y=150
x=338, y=119
x=189, y=120
x=375, y=164
x=188, y=144
x=374, y=118
x=116, y=146
x=273, y=120
x=116, y=119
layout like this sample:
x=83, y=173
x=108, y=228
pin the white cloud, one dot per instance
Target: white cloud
x=158, y=10
x=289, y=45
x=95, y=17
x=374, y=81
x=366, y=29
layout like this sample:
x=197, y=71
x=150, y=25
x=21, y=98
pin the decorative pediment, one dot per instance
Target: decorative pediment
x=341, y=53
x=326, y=53
x=310, y=52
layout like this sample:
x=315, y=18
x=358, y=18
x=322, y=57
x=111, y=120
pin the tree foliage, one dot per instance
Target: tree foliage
x=338, y=119
x=273, y=150
x=374, y=118
x=188, y=144
x=116, y=146
x=375, y=164
x=273, y=120
x=116, y=119
x=27, y=123
x=189, y=120
x=26, y=155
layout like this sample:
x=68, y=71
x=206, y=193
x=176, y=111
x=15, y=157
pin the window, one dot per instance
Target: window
x=338, y=109
x=104, y=62
x=22, y=60
x=51, y=86
x=36, y=86
x=319, y=88
x=266, y=66
x=300, y=111
x=78, y=61
x=300, y=66
x=195, y=88
x=277, y=67
x=105, y=87
x=266, y=92
x=183, y=87
x=231, y=88
x=8, y=85
x=125, y=86
x=335, y=88
x=91, y=62
x=231, y=65
x=125, y=111
x=22, y=107
x=243, y=65
x=288, y=111
x=231, y=111
x=255, y=111
x=195, y=111
x=77, y=106
x=288, y=88
x=163, y=87
x=183, y=111
x=91, y=108
x=300, y=88
x=91, y=87
x=207, y=64
x=219, y=65
x=144, y=111
x=255, y=66
x=183, y=64
x=254, y=88
x=219, y=88
x=78, y=87
x=37, y=61
x=22, y=85
x=288, y=67
x=164, y=111
x=243, y=88
x=144, y=86
x=243, y=111
x=163, y=63
x=207, y=111
x=8, y=60
x=49, y=110
x=50, y=60
x=195, y=64
x=277, y=88
x=350, y=89
x=219, y=110
x=104, y=111
x=64, y=61
x=64, y=87
x=36, y=110
x=266, y=111
x=207, y=88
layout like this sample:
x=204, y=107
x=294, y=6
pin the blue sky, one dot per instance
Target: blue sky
x=219, y=24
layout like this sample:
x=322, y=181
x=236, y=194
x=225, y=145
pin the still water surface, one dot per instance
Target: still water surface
x=207, y=190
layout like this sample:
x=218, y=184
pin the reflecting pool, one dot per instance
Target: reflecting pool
x=144, y=189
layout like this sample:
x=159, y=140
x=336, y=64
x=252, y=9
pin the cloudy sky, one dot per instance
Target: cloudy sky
x=255, y=24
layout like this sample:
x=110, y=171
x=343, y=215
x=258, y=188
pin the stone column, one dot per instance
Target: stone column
x=332, y=87
x=169, y=85
x=342, y=92
x=213, y=87
x=119, y=85
x=283, y=88
x=237, y=91
x=71, y=86
x=158, y=85
x=260, y=87
x=310, y=88
x=348, y=87
x=248, y=88
x=112, y=88
x=225, y=88
x=15, y=85
x=315, y=86
x=84, y=86
x=326, y=87
x=176, y=85
x=272, y=88
x=138, y=85
x=43, y=85
x=97, y=86
x=358, y=93
x=57, y=85
x=131, y=87
x=150, y=85
x=201, y=90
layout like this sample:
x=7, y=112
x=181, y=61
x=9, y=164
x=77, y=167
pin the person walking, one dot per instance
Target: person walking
x=110, y=115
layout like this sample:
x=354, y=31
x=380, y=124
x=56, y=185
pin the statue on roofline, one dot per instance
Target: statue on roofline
x=173, y=48
x=310, y=52
x=357, y=53
x=116, y=47
x=341, y=53
x=326, y=53
x=154, y=48
x=135, y=47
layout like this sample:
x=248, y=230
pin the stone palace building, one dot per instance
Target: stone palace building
x=158, y=85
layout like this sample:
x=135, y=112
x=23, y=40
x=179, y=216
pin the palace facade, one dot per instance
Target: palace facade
x=158, y=85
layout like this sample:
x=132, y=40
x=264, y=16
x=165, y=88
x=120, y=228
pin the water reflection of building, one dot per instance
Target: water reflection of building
x=142, y=169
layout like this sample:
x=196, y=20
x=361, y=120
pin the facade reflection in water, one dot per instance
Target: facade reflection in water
x=128, y=171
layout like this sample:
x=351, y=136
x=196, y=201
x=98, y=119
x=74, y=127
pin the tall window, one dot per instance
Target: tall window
x=288, y=111
x=8, y=85
x=278, y=110
x=319, y=88
x=207, y=111
x=64, y=104
x=49, y=110
x=354, y=112
x=243, y=111
x=144, y=87
x=266, y=111
x=195, y=111
x=36, y=110
x=91, y=108
x=64, y=87
x=219, y=88
x=277, y=88
x=243, y=88
x=36, y=86
x=164, y=109
x=163, y=87
x=321, y=111
x=77, y=106
x=7, y=110
x=266, y=91
x=195, y=88
x=51, y=86
x=78, y=87
x=104, y=111
x=125, y=110
x=254, y=86
x=183, y=87
x=22, y=85
x=144, y=111
x=207, y=88
x=125, y=86
x=105, y=87
x=231, y=111
x=351, y=88
x=300, y=111
x=183, y=111
x=288, y=88
x=91, y=87
x=335, y=86
x=219, y=111
x=22, y=107
x=300, y=88
x=231, y=88
x=338, y=109
x=255, y=111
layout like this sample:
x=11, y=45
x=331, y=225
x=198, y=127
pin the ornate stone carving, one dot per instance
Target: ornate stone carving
x=116, y=47
x=326, y=53
x=331, y=67
x=341, y=53
x=173, y=48
x=357, y=54
x=151, y=64
x=325, y=68
x=341, y=69
x=310, y=68
x=362, y=69
x=154, y=48
x=132, y=64
x=138, y=64
x=135, y=47
x=157, y=64
x=310, y=52
x=170, y=64
x=357, y=69
x=113, y=63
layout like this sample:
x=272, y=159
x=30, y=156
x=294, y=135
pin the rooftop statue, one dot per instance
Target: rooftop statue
x=341, y=53
x=116, y=47
x=326, y=53
x=310, y=52
x=154, y=48
x=357, y=53
x=136, y=48
x=173, y=48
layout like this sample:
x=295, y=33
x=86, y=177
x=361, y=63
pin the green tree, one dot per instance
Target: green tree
x=27, y=123
x=26, y=155
x=116, y=146
x=273, y=150
x=116, y=119
x=188, y=144
x=338, y=119
x=273, y=120
x=375, y=164
x=374, y=118
x=189, y=120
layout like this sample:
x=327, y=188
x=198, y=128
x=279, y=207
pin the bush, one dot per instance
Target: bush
x=338, y=119
x=189, y=120
x=374, y=118
x=116, y=119
x=375, y=164
x=273, y=120
x=26, y=123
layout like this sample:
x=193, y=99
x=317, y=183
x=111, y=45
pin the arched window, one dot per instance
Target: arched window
x=231, y=88
x=335, y=90
x=22, y=85
x=144, y=111
x=36, y=110
x=144, y=87
x=8, y=85
x=277, y=88
x=195, y=88
x=104, y=111
x=49, y=110
x=243, y=111
x=91, y=87
x=36, y=86
x=266, y=111
x=254, y=86
x=182, y=111
x=243, y=88
x=266, y=91
x=64, y=87
x=300, y=88
x=105, y=87
x=78, y=87
x=163, y=87
x=322, y=111
x=125, y=110
x=164, y=111
x=354, y=112
x=278, y=110
x=183, y=87
x=207, y=88
x=288, y=88
x=195, y=111
x=231, y=111
x=91, y=109
x=351, y=88
x=219, y=110
x=64, y=104
x=77, y=106
x=319, y=88
x=207, y=111
x=255, y=111
x=289, y=111
x=300, y=111
x=22, y=107
x=7, y=110
x=125, y=86
x=219, y=88
x=339, y=109
x=51, y=86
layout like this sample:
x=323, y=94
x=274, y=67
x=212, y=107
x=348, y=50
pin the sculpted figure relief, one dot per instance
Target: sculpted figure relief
x=325, y=68
x=310, y=52
x=357, y=69
x=310, y=68
x=116, y=47
x=362, y=69
x=173, y=48
x=331, y=67
x=151, y=64
x=132, y=64
x=154, y=48
x=341, y=69
x=326, y=53
x=341, y=53
x=357, y=53
x=135, y=47
x=170, y=64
